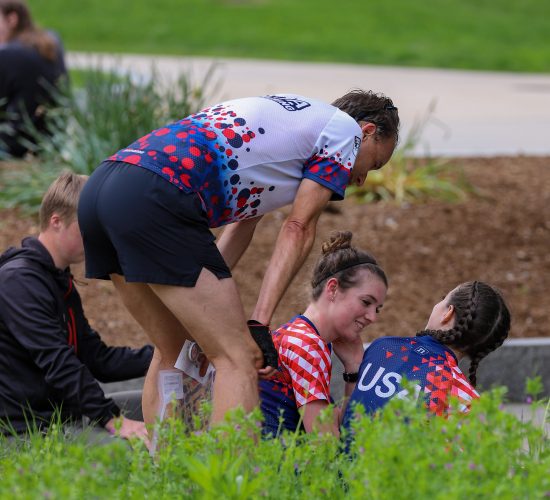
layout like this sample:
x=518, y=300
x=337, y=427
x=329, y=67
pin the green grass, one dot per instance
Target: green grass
x=399, y=454
x=473, y=34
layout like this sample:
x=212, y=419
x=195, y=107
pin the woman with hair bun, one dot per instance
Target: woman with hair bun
x=471, y=320
x=31, y=64
x=348, y=291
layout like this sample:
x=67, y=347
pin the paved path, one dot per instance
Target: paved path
x=128, y=391
x=527, y=414
x=475, y=113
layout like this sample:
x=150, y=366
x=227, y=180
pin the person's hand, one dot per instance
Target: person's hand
x=267, y=372
x=262, y=336
x=349, y=352
x=127, y=428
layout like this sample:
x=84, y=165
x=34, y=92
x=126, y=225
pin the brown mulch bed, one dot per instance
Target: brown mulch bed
x=501, y=236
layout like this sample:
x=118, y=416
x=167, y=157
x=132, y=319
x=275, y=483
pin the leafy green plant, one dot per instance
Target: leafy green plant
x=400, y=453
x=534, y=387
x=108, y=112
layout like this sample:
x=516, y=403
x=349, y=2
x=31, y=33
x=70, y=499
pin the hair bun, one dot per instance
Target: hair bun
x=338, y=240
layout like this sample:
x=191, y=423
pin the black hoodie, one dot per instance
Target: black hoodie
x=50, y=357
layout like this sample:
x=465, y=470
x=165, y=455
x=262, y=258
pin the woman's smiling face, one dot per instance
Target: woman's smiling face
x=355, y=308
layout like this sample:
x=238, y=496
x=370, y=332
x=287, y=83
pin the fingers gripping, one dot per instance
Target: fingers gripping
x=262, y=336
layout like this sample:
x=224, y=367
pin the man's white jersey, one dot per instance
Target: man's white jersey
x=247, y=157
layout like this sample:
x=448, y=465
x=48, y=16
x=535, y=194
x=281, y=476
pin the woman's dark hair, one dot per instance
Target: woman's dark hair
x=367, y=106
x=342, y=261
x=26, y=32
x=482, y=323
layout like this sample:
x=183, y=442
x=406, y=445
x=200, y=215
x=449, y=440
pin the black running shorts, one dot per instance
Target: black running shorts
x=135, y=223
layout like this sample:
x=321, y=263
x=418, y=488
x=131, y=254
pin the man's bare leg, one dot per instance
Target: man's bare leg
x=212, y=312
x=150, y=397
x=164, y=330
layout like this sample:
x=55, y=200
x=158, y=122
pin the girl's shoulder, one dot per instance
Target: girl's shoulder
x=298, y=327
x=392, y=341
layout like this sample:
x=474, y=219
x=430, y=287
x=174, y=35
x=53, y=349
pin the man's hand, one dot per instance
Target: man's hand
x=127, y=428
x=262, y=336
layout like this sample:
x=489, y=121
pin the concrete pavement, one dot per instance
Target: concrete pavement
x=128, y=396
x=475, y=113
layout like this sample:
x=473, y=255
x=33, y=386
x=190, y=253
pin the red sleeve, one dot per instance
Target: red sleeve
x=447, y=381
x=307, y=359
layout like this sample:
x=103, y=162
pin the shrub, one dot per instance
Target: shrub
x=409, y=179
x=401, y=453
x=108, y=112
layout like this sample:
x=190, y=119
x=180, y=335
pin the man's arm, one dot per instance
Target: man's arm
x=293, y=245
x=30, y=312
x=235, y=240
x=107, y=364
x=112, y=364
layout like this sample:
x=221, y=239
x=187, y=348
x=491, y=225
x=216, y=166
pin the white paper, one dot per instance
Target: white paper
x=187, y=363
x=170, y=385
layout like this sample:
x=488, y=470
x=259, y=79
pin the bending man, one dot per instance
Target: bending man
x=146, y=215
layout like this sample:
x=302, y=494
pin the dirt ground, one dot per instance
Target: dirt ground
x=502, y=236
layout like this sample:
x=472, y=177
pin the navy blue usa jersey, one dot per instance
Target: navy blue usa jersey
x=426, y=362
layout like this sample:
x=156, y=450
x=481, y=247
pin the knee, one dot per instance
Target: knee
x=248, y=358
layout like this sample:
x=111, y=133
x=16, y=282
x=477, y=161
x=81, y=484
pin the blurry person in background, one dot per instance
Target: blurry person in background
x=31, y=68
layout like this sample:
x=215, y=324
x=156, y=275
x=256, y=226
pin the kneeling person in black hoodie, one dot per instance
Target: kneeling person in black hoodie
x=50, y=357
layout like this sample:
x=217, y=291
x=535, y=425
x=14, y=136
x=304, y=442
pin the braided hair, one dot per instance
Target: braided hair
x=482, y=323
x=342, y=261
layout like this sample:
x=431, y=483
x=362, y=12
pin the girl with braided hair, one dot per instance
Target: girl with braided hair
x=348, y=290
x=472, y=320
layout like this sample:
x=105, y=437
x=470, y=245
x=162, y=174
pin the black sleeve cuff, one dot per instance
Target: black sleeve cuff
x=114, y=411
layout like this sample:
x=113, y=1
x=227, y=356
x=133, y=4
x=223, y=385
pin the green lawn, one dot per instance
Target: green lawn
x=475, y=34
x=489, y=454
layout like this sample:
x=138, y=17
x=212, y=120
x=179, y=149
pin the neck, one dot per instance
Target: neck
x=48, y=240
x=314, y=314
x=459, y=354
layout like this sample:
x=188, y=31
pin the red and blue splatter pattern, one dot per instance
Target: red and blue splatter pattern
x=215, y=153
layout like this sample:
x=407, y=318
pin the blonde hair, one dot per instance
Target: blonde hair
x=61, y=198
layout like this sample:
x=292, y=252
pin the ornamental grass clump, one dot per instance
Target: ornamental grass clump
x=400, y=453
x=407, y=178
x=93, y=121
